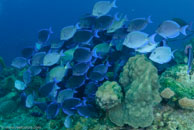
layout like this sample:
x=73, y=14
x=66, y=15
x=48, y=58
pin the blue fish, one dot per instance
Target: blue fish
x=27, y=77
x=83, y=54
x=19, y=62
x=65, y=94
x=27, y=52
x=96, y=76
x=37, y=59
x=30, y=101
x=69, y=105
x=83, y=36
x=52, y=110
x=68, y=123
x=101, y=68
x=44, y=35
x=90, y=88
x=75, y=81
x=34, y=70
x=81, y=68
x=87, y=111
x=104, y=22
x=46, y=89
x=87, y=22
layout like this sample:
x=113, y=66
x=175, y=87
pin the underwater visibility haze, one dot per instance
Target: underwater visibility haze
x=97, y=65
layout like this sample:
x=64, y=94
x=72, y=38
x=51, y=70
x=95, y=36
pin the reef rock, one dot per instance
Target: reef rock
x=140, y=82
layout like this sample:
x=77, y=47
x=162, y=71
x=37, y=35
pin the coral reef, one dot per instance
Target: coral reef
x=109, y=95
x=139, y=80
x=177, y=79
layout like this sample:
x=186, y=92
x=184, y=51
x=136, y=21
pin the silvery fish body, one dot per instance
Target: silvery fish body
x=161, y=55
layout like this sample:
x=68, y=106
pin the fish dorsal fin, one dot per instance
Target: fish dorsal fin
x=164, y=43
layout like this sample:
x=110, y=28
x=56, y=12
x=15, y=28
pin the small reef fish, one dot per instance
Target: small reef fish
x=27, y=77
x=19, y=62
x=103, y=7
x=65, y=94
x=83, y=54
x=117, y=24
x=139, y=24
x=87, y=22
x=83, y=36
x=37, y=59
x=161, y=55
x=81, y=68
x=137, y=39
x=44, y=35
x=30, y=101
x=27, y=52
x=68, y=32
x=51, y=58
x=104, y=22
x=147, y=48
x=171, y=29
x=68, y=123
x=19, y=85
x=80, y=80
x=52, y=110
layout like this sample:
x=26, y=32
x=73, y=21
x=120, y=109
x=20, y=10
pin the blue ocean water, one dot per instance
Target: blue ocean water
x=20, y=20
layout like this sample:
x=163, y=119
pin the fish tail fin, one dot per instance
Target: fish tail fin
x=164, y=43
x=111, y=44
x=96, y=34
x=68, y=65
x=77, y=25
x=108, y=64
x=62, y=53
x=114, y=4
x=152, y=38
x=183, y=29
x=149, y=19
x=29, y=61
x=50, y=30
x=116, y=16
x=95, y=53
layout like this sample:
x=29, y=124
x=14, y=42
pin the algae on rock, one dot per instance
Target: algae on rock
x=139, y=80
